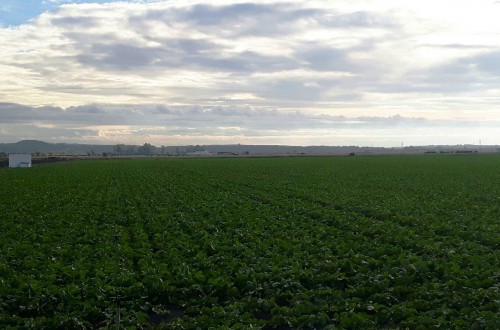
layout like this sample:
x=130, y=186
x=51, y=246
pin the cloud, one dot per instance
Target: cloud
x=237, y=41
x=488, y=63
x=120, y=56
x=248, y=19
x=323, y=58
x=104, y=62
x=165, y=124
x=222, y=116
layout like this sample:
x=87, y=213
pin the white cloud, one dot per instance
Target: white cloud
x=355, y=58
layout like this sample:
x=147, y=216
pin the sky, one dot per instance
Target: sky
x=310, y=72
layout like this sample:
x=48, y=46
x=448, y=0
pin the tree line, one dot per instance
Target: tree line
x=149, y=149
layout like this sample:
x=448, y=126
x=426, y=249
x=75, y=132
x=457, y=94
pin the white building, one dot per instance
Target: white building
x=19, y=160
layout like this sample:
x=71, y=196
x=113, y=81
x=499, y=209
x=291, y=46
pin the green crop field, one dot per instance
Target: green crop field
x=290, y=243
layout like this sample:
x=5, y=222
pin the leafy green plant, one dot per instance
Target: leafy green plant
x=355, y=242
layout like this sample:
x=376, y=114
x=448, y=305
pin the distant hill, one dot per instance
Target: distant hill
x=32, y=146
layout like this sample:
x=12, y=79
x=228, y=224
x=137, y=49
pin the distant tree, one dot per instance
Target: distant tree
x=119, y=148
x=147, y=149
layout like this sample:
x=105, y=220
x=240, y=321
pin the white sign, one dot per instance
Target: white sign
x=19, y=160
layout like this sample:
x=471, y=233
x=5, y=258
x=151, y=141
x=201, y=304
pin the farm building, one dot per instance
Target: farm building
x=19, y=160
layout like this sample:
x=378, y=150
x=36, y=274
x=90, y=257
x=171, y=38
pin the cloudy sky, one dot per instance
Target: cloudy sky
x=310, y=72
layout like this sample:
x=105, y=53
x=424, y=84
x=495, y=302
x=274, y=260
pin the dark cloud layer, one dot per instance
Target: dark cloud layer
x=158, y=115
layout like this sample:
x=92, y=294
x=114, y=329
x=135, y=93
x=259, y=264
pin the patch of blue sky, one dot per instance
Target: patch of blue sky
x=18, y=12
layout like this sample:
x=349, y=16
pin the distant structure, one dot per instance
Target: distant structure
x=226, y=153
x=19, y=160
x=199, y=153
